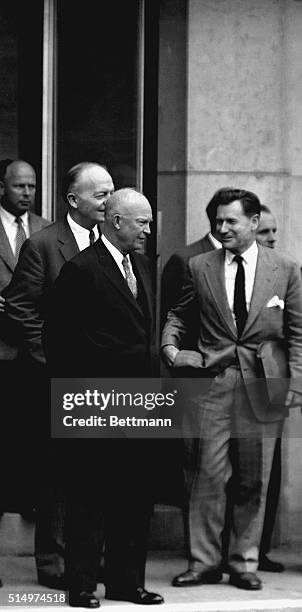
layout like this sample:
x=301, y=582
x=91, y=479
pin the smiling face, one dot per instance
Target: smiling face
x=236, y=231
x=18, y=188
x=267, y=229
x=88, y=196
x=128, y=218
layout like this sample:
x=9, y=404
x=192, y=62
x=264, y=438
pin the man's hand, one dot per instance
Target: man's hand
x=191, y=359
x=2, y=303
x=293, y=399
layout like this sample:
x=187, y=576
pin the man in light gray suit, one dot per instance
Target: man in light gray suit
x=249, y=302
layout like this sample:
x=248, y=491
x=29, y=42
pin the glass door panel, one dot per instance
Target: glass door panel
x=97, y=83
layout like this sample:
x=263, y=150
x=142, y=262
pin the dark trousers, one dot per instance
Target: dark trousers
x=272, y=501
x=46, y=474
x=108, y=486
x=50, y=516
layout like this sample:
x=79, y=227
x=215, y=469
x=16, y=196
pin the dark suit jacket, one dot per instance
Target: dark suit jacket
x=8, y=350
x=218, y=342
x=27, y=297
x=173, y=278
x=95, y=326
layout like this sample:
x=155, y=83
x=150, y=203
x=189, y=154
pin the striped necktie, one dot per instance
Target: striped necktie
x=130, y=278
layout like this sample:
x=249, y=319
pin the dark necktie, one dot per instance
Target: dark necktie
x=240, y=310
x=91, y=236
x=20, y=236
x=130, y=278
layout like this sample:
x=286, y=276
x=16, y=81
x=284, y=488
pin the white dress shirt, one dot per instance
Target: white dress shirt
x=249, y=257
x=80, y=233
x=11, y=227
x=117, y=255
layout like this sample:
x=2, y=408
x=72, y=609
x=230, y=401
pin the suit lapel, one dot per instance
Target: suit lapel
x=144, y=285
x=215, y=277
x=68, y=244
x=265, y=278
x=5, y=249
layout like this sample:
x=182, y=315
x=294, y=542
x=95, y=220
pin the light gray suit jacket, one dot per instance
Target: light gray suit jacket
x=271, y=343
x=7, y=265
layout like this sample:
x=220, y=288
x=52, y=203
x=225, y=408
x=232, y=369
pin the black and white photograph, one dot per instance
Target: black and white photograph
x=151, y=305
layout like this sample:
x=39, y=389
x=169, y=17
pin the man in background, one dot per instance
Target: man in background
x=85, y=190
x=174, y=272
x=267, y=229
x=266, y=235
x=17, y=222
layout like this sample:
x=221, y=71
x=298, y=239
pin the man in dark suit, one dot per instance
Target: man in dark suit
x=17, y=222
x=170, y=485
x=85, y=190
x=101, y=324
x=174, y=272
x=266, y=235
x=249, y=302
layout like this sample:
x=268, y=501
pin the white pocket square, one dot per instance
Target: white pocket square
x=275, y=302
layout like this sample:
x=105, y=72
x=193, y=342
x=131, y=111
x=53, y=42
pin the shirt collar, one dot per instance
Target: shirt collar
x=249, y=256
x=116, y=254
x=9, y=218
x=79, y=229
x=214, y=241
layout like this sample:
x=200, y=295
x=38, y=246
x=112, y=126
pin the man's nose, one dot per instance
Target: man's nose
x=223, y=228
x=26, y=190
x=147, y=229
x=272, y=237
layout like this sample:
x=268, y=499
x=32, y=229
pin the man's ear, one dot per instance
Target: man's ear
x=255, y=221
x=116, y=221
x=72, y=200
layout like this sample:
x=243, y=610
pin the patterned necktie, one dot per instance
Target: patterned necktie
x=130, y=278
x=20, y=236
x=240, y=310
x=91, y=236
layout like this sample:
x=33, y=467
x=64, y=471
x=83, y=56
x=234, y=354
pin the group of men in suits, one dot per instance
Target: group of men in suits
x=80, y=303
x=121, y=343
x=248, y=302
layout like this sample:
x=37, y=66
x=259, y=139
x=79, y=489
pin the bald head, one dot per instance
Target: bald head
x=267, y=228
x=127, y=220
x=18, y=187
x=86, y=188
